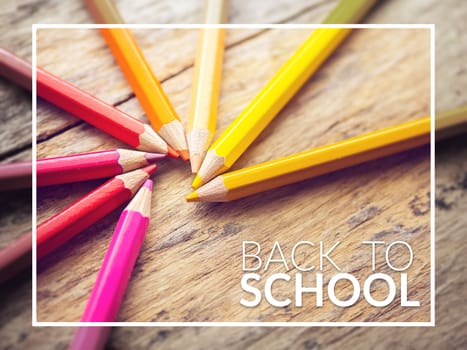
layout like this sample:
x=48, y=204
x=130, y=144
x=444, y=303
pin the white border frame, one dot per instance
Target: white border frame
x=430, y=323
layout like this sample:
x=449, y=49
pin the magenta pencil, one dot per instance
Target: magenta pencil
x=90, y=338
x=128, y=237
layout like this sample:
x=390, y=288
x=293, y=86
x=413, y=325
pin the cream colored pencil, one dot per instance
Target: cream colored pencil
x=206, y=83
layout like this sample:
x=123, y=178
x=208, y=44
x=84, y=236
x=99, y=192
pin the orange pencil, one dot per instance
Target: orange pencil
x=147, y=88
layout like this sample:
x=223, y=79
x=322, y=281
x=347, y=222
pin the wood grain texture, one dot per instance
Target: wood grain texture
x=390, y=71
x=451, y=74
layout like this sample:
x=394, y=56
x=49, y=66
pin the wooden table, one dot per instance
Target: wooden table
x=190, y=239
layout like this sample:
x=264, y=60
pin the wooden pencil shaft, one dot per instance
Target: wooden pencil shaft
x=349, y=11
x=15, y=176
x=15, y=69
x=104, y=11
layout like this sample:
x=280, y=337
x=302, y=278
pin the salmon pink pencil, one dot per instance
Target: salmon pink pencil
x=63, y=226
x=91, y=165
x=120, y=258
x=83, y=105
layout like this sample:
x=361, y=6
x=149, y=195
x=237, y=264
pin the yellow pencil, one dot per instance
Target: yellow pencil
x=451, y=123
x=277, y=92
x=315, y=162
x=206, y=84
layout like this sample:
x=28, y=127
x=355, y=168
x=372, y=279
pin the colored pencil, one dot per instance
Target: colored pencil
x=215, y=11
x=90, y=338
x=104, y=11
x=83, y=213
x=15, y=69
x=206, y=84
x=127, y=240
x=99, y=114
x=84, y=106
x=15, y=257
x=270, y=100
x=451, y=123
x=147, y=88
x=315, y=162
x=349, y=11
x=91, y=165
x=15, y=175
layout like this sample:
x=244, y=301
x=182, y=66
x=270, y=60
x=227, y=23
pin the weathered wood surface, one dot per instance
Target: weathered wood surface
x=451, y=204
x=379, y=77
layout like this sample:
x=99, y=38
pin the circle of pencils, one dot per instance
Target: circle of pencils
x=131, y=168
x=120, y=258
x=91, y=165
x=95, y=205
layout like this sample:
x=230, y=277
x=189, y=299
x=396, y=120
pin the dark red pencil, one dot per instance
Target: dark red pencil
x=15, y=257
x=15, y=175
x=83, y=105
x=91, y=165
x=80, y=215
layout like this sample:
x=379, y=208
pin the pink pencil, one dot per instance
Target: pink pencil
x=90, y=338
x=120, y=258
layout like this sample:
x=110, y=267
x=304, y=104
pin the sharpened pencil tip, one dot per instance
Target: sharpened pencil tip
x=153, y=157
x=150, y=169
x=195, y=160
x=184, y=154
x=148, y=184
x=171, y=153
x=197, y=182
x=192, y=197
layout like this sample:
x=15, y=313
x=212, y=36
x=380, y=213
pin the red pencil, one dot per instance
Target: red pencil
x=92, y=165
x=84, y=106
x=16, y=256
x=80, y=215
x=15, y=175
x=15, y=69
